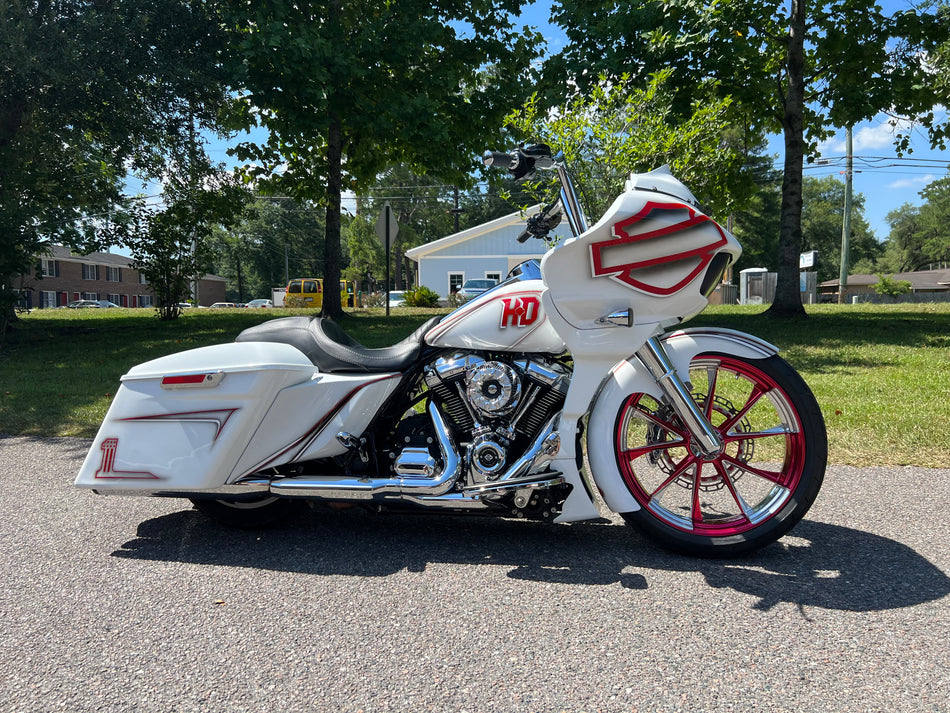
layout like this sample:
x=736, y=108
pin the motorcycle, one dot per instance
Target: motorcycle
x=561, y=382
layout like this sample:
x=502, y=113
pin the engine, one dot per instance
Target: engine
x=496, y=407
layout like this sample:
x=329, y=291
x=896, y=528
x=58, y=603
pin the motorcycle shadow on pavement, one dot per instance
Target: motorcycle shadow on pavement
x=817, y=565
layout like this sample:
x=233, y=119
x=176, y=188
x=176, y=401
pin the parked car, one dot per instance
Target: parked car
x=106, y=303
x=397, y=298
x=84, y=304
x=222, y=305
x=259, y=304
x=474, y=287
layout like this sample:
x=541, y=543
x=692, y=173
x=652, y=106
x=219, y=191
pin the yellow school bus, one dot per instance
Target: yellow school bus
x=308, y=292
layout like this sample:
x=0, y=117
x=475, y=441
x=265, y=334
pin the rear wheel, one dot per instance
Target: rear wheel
x=247, y=514
x=755, y=489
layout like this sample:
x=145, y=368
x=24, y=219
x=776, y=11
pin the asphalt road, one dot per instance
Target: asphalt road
x=114, y=604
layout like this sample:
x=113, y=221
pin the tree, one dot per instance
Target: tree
x=934, y=220
x=794, y=68
x=346, y=89
x=421, y=205
x=756, y=227
x=904, y=249
x=272, y=241
x=822, y=217
x=90, y=90
x=367, y=262
x=170, y=246
x=615, y=129
x=920, y=235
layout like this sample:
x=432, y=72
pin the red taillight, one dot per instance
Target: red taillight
x=184, y=381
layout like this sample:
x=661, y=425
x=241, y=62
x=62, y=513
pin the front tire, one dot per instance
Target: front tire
x=247, y=514
x=751, y=493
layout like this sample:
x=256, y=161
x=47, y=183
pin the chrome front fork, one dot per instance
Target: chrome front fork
x=705, y=437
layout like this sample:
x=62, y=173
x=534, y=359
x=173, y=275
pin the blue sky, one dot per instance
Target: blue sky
x=886, y=181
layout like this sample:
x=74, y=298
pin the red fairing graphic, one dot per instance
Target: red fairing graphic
x=107, y=467
x=519, y=311
x=700, y=239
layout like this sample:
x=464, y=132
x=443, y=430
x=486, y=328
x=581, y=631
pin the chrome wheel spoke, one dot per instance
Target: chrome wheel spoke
x=744, y=507
x=777, y=477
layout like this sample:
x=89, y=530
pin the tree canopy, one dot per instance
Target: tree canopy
x=90, y=91
x=615, y=129
x=792, y=66
x=348, y=88
x=920, y=235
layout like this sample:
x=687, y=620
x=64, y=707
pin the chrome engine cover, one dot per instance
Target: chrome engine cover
x=493, y=389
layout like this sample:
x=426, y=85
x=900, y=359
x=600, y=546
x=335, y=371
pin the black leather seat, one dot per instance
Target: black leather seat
x=332, y=350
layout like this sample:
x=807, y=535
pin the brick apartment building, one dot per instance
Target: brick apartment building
x=64, y=276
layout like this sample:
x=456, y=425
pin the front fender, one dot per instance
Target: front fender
x=629, y=377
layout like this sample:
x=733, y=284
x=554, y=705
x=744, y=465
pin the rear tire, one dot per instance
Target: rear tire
x=262, y=511
x=749, y=495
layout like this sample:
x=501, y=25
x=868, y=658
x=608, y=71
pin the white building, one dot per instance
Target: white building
x=488, y=250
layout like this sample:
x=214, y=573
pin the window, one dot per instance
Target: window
x=90, y=296
x=142, y=280
x=115, y=299
x=47, y=299
x=145, y=300
x=90, y=272
x=50, y=268
x=496, y=276
x=455, y=281
x=114, y=274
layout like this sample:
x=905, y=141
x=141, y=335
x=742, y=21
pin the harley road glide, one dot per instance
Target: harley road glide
x=561, y=382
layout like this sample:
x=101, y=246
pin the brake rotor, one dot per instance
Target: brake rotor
x=663, y=459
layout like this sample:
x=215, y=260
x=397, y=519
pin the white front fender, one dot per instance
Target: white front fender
x=630, y=377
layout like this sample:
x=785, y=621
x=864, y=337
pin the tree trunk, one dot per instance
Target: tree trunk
x=397, y=267
x=788, y=298
x=331, y=246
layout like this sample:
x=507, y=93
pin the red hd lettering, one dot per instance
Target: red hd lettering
x=519, y=311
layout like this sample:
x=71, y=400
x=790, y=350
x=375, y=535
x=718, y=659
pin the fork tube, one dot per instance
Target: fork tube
x=570, y=201
x=661, y=368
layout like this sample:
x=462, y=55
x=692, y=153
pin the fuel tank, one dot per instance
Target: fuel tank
x=507, y=318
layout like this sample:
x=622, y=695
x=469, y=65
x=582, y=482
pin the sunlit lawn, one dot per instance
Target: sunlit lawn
x=881, y=373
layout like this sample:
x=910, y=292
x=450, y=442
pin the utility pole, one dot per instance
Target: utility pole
x=846, y=224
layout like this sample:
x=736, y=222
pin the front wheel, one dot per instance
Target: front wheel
x=761, y=483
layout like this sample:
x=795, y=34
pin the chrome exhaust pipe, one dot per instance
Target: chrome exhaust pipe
x=343, y=488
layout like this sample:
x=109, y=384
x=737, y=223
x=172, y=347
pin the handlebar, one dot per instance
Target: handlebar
x=538, y=226
x=523, y=162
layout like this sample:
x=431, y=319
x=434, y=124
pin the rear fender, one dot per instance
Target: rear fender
x=629, y=377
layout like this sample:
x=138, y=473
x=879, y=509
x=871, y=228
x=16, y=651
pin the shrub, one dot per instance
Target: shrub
x=294, y=301
x=891, y=287
x=374, y=299
x=422, y=297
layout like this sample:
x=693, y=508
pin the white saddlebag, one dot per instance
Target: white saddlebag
x=203, y=418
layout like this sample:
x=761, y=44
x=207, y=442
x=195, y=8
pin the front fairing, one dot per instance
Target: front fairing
x=651, y=254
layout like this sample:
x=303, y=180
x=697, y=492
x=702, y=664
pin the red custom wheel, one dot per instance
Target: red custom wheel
x=751, y=492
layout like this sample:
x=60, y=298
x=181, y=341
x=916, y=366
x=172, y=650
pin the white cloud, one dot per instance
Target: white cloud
x=916, y=182
x=867, y=138
x=877, y=137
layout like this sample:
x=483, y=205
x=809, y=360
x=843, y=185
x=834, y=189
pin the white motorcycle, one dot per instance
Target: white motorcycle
x=704, y=439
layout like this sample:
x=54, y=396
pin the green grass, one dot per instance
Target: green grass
x=881, y=373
